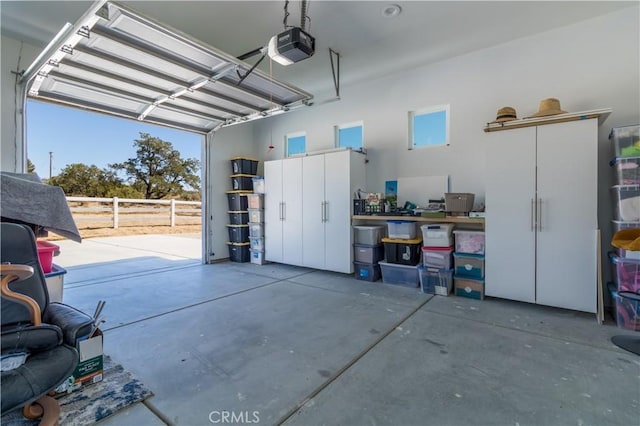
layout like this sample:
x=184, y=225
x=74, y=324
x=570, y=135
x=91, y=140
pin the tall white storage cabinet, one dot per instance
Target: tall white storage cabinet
x=323, y=194
x=283, y=211
x=541, y=224
x=328, y=184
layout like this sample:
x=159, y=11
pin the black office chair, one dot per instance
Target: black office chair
x=44, y=332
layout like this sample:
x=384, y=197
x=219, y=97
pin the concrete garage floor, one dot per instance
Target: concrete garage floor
x=277, y=344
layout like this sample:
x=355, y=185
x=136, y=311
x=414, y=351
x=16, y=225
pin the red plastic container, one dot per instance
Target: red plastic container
x=46, y=251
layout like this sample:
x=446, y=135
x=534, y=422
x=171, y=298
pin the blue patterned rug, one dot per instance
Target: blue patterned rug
x=117, y=390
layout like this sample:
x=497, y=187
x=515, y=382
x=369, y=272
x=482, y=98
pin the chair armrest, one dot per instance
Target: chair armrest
x=28, y=338
x=73, y=322
x=16, y=273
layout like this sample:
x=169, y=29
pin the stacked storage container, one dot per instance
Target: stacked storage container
x=402, y=249
x=468, y=279
x=243, y=170
x=626, y=196
x=256, y=221
x=255, y=203
x=368, y=251
x=436, y=274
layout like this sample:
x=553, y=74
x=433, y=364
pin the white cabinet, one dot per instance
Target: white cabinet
x=283, y=211
x=323, y=197
x=541, y=223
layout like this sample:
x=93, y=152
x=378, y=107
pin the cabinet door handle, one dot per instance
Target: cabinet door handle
x=532, y=213
x=540, y=214
x=326, y=211
x=322, y=211
x=284, y=211
x=280, y=211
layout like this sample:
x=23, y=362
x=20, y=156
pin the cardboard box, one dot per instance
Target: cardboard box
x=90, y=366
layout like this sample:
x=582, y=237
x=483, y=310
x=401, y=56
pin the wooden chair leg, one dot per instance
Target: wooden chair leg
x=45, y=408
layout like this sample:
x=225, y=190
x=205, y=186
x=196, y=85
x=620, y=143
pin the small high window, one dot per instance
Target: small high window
x=296, y=143
x=429, y=127
x=349, y=135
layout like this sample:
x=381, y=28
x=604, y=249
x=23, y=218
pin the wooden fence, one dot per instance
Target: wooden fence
x=115, y=212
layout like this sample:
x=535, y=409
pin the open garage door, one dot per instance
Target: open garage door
x=116, y=61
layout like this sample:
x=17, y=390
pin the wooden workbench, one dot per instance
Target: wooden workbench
x=462, y=220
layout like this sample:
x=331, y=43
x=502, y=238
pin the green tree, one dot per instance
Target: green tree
x=30, y=166
x=81, y=180
x=158, y=171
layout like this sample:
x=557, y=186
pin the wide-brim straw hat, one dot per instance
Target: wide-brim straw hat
x=505, y=114
x=549, y=106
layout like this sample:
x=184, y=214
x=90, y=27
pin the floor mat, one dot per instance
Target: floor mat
x=117, y=390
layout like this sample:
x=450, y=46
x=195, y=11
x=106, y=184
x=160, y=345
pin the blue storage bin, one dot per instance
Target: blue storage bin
x=469, y=265
x=468, y=287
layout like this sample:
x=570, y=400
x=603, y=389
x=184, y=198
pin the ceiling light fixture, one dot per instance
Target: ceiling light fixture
x=391, y=11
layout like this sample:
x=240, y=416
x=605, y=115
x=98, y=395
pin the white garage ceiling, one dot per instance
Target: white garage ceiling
x=370, y=44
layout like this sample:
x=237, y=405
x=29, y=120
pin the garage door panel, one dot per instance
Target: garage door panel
x=147, y=32
x=120, y=62
x=109, y=99
x=164, y=113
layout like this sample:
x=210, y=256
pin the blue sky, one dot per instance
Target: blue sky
x=78, y=136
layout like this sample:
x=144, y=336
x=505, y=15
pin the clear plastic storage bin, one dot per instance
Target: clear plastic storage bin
x=627, y=201
x=258, y=185
x=405, y=275
x=437, y=257
x=619, y=225
x=257, y=257
x=437, y=234
x=401, y=229
x=435, y=281
x=626, y=310
x=256, y=230
x=627, y=170
x=255, y=201
x=626, y=273
x=256, y=215
x=626, y=140
x=470, y=242
x=257, y=244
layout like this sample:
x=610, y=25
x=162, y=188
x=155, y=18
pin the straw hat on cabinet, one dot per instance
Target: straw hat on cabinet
x=506, y=113
x=549, y=106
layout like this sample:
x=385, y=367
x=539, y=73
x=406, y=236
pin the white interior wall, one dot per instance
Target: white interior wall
x=15, y=55
x=589, y=65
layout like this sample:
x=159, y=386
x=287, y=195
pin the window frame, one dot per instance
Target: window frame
x=338, y=127
x=446, y=108
x=294, y=135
